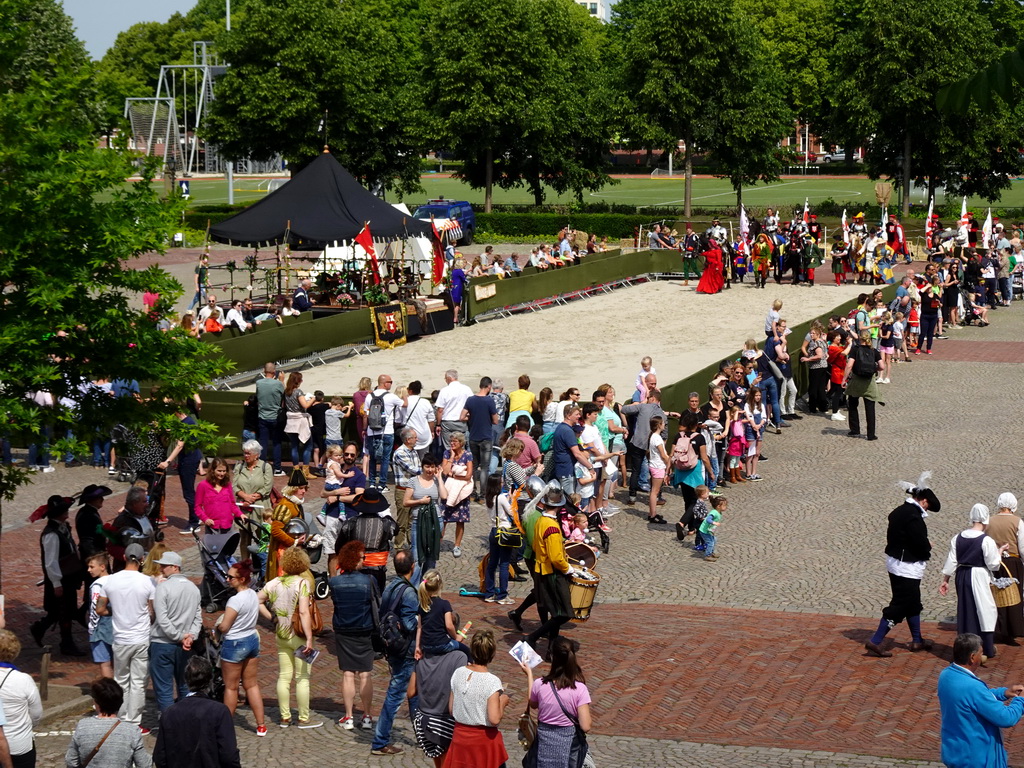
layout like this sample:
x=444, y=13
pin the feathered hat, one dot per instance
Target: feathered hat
x=921, y=491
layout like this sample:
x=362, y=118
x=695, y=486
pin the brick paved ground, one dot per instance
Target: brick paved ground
x=754, y=660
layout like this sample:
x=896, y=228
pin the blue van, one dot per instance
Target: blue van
x=459, y=210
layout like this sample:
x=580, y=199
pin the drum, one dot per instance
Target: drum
x=581, y=595
x=579, y=553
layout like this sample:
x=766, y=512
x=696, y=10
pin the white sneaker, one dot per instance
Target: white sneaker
x=838, y=417
x=456, y=551
x=48, y=470
x=610, y=511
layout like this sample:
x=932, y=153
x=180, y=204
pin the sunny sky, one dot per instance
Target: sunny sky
x=97, y=22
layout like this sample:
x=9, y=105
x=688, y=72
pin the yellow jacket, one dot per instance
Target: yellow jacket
x=548, y=547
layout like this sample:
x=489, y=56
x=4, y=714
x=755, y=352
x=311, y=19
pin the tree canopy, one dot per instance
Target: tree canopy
x=292, y=61
x=69, y=231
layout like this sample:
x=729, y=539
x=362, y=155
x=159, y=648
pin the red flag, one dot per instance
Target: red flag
x=438, y=252
x=365, y=239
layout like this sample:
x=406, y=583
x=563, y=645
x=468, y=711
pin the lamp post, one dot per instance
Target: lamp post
x=230, y=169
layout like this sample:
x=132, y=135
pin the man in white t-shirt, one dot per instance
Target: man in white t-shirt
x=177, y=621
x=130, y=601
x=419, y=415
x=205, y=312
x=450, y=402
x=380, y=438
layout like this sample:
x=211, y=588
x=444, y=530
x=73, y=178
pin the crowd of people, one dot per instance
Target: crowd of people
x=543, y=470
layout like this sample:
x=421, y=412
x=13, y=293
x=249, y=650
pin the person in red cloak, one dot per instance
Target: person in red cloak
x=711, y=281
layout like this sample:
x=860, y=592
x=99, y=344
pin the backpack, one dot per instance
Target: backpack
x=375, y=418
x=396, y=640
x=683, y=455
x=864, y=361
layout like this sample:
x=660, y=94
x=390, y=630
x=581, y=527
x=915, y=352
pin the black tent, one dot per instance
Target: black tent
x=324, y=205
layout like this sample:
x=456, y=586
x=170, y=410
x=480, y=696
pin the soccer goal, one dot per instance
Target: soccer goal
x=663, y=173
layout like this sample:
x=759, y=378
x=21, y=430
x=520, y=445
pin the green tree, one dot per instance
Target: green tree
x=679, y=61
x=522, y=111
x=753, y=115
x=892, y=58
x=293, y=60
x=69, y=230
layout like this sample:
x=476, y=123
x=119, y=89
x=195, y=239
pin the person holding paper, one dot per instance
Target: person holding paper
x=562, y=701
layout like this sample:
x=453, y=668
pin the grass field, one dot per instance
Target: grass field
x=785, y=194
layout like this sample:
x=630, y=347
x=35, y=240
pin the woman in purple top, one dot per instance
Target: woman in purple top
x=562, y=701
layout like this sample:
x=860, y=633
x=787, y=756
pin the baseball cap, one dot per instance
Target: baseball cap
x=134, y=552
x=169, y=558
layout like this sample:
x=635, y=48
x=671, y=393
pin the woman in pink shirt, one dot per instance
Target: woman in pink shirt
x=215, y=499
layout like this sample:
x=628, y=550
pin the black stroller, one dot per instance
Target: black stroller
x=216, y=550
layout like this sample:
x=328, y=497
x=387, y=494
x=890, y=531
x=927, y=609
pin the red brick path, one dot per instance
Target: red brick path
x=962, y=350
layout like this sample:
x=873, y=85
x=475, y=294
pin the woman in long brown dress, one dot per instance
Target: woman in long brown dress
x=1005, y=527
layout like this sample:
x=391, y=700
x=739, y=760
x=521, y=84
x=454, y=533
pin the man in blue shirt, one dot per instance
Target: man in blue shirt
x=340, y=500
x=400, y=590
x=567, y=450
x=301, y=300
x=973, y=713
x=481, y=414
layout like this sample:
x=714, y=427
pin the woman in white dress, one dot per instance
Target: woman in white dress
x=972, y=557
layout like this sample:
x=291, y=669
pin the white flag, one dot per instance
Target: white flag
x=986, y=230
x=744, y=229
x=846, y=229
x=807, y=212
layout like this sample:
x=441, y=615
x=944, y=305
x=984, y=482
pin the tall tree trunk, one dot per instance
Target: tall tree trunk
x=739, y=197
x=687, y=175
x=538, y=193
x=489, y=179
x=906, y=178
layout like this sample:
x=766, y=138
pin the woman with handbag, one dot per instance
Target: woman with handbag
x=457, y=469
x=21, y=704
x=562, y=702
x=972, y=556
x=282, y=600
x=1005, y=527
x=356, y=603
x=105, y=734
x=504, y=540
x=298, y=424
x=240, y=644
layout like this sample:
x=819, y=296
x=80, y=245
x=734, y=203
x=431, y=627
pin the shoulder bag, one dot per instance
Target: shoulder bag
x=315, y=619
x=96, y=749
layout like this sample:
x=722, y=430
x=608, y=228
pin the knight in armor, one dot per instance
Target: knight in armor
x=771, y=222
x=716, y=231
x=62, y=576
x=859, y=228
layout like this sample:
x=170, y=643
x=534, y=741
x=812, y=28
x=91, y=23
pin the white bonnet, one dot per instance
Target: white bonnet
x=979, y=514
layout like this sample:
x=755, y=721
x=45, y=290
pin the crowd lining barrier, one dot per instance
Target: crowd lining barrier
x=224, y=408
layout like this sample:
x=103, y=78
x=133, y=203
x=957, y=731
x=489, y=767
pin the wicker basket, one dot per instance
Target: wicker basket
x=1007, y=596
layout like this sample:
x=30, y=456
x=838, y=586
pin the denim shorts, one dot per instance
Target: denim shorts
x=237, y=651
x=101, y=651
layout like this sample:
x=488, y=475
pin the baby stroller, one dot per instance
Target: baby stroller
x=968, y=314
x=154, y=482
x=260, y=540
x=216, y=550
x=594, y=522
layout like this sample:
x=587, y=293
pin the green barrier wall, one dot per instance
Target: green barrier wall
x=556, y=282
x=299, y=336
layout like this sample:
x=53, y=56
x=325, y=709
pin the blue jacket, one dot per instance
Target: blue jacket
x=972, y=714
x=355, y=602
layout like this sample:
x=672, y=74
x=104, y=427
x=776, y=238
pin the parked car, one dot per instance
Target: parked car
x=457, y=210
x=839, y=156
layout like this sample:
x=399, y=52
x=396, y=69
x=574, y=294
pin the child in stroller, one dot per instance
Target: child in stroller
x=217, y=553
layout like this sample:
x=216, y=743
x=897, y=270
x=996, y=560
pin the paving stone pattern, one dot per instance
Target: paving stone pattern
x=754, y=660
